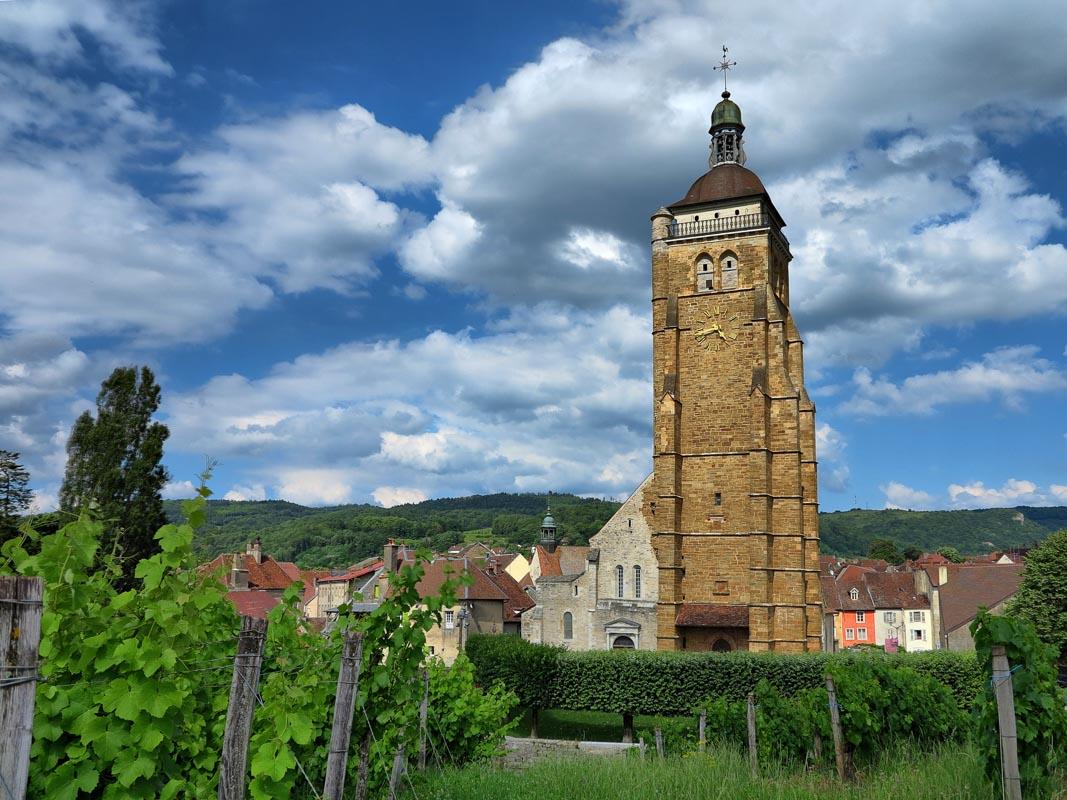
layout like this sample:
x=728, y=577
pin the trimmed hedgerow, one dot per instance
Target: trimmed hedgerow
x=673, y=683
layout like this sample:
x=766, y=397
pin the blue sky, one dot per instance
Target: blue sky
x=377, y=255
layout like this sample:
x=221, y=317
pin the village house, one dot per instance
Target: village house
x=327, y=590
x=960, y=589
x=491, y=602
x=886, y=609
x=255, y=581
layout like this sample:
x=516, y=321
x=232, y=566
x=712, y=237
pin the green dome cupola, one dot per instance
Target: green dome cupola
x=727, y=112
x=549, y=540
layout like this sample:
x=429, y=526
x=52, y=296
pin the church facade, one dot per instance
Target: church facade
x=731, y=510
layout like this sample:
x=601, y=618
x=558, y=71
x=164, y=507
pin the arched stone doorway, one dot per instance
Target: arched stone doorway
x=721, y=646
x=622, y=643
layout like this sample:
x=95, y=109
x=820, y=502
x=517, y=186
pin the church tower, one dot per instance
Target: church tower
x=733, y=501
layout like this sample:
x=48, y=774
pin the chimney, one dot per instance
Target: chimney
x=942, y=575
x=389, y=555
x=255, y=549
x=238, y=574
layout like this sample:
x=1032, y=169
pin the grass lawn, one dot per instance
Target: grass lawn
x=590, y=726
x=953, y=773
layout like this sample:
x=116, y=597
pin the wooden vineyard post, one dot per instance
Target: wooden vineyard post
x=398, y=771
x=628, y=728
x=702, y=728
x=753, y=757
x=246, y=665
x=20, y=635
x=343, y=707
x=364, y=767
x=835, y=725
x=641, y=747
x=424, y=710
x=1009, y=752
x=659, y=742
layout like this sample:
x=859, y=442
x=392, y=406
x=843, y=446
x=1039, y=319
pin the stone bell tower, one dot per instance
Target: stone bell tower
x=733, y=505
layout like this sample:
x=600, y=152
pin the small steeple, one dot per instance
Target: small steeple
x=548, y=531
x=726, y=126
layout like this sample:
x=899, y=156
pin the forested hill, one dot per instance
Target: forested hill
x=339, y=535
x=849, y=533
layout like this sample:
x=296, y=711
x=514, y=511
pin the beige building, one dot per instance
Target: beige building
x=733, y=504
x=598, y=597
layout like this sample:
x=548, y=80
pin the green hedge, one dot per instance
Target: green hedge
x=675, y=683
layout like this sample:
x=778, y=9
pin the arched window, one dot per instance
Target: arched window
x=622, y=643
x=568, y=625
x=619, y=574
x=728, y=262
x=637, y=581
x=705, y=273
x=721, y=646
x=854, y=593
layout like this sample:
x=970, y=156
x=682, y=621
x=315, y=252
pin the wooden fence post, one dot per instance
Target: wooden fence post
x=659, y=742
x=1009, y=752
x=424, y=708
x=702, y=727
x=753, y=756
x=641, y=747
x=398, y=771
x=835, y=726
x=246, y=665
x=20, y=635
x=343, y=707
x=364, y=766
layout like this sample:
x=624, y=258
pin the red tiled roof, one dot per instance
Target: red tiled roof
x=567, y=560
x=877, y=590
x=291, y=569
x=252, y=603
x=971, y=586
x=267, y=575
x=517, y=602
x=830, y=601
x=442, y=569
x=712, y=615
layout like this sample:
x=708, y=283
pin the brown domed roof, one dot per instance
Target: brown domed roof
x=724, y=182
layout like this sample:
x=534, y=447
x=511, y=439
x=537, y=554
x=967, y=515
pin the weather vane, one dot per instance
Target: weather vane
x=724, y=65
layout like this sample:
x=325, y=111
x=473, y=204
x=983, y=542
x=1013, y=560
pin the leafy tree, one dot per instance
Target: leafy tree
x=912, y=553
x=113, y=463
x=1042, y=596
x=887, y=550
x=951, y=553
x=15, y=495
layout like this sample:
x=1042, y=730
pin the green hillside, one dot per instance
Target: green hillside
x=340, y=535
x=849, y=533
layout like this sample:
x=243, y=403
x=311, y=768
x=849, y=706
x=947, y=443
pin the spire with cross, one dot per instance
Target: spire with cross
x=725, y=65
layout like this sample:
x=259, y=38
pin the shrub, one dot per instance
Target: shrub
x=528, y=670
x=466, y=724
x=643, y=682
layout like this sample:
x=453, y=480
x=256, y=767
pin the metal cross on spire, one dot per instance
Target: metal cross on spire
x=725, y=65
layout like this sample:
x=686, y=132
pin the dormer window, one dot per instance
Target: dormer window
x=854, y=593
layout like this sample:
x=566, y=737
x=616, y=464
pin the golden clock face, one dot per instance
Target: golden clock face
x=717, y=325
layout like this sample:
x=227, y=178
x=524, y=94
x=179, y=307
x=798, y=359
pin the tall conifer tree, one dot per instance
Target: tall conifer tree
x=113, y=462
x=15, y=495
